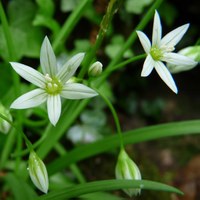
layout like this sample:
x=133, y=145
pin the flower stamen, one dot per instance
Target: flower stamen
x=47, y=77
x=156, y=53
x=53, y=85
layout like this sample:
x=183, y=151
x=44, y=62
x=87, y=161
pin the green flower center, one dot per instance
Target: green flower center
x=156, y=53
x=53, y=85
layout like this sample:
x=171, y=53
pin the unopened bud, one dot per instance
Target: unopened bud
x=128, y=170
x=73, y=79
x=192, y=52
x=95, y=69
x=4, y=125
x=38, y=172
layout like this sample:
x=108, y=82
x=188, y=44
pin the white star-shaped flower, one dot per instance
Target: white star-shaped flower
x=52, y=82
x=161, y=51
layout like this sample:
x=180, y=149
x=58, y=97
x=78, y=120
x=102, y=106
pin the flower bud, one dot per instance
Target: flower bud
x=4, y=125
x=127, y=169
x=95, y=69
x=73, y=79
x=192, y=52
x=38, y=172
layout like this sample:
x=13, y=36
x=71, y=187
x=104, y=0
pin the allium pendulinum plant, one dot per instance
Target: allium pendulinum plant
x=55, y=87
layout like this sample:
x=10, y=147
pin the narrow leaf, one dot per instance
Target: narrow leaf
x=129, y=137
x=106, y=185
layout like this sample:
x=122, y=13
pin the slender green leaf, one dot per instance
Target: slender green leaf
x=20, y=189
x=107, y=185
x=100, y=196
x=129, y=137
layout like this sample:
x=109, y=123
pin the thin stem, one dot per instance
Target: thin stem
x=122, y=64
x=111, y=10
x=115, y=117
x=31, y=123
x=36, y=144
x=108, y=71
x=28, y=143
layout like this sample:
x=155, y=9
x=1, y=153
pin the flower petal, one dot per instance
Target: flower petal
x=30, y=99
x=148, y=66
x=157, y=30
x=29, y=74
x=70, y=67
x=165, y=75
x=54, y=108
x=48, y=58
x=178, y=59
x=146, y=44
x=77, y=91
x=173, y=37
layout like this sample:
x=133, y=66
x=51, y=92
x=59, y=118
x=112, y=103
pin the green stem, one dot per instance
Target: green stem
x=133, y=36
x=31, y=123
x=115, y=117
x=47, y=132
x=70, y=23
x=28, y=143
x=108, y=71
x=122, y=64
x=111, y=10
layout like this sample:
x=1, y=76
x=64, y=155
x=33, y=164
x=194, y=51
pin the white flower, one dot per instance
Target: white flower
x=38, y=172
x=53, y=83
x=161, y=51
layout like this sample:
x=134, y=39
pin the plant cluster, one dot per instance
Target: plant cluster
x=36, y=116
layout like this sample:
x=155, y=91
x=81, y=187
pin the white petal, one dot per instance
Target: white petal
x=146, y=44
x=77, y=91
x=54, y=108
x=48, y=58
x=165, y=76
x=30, y=99
x=29, y=74
x=157, y=30
x=148, y=66
x=173, y=37
x=70, y=67
x=178, y=59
